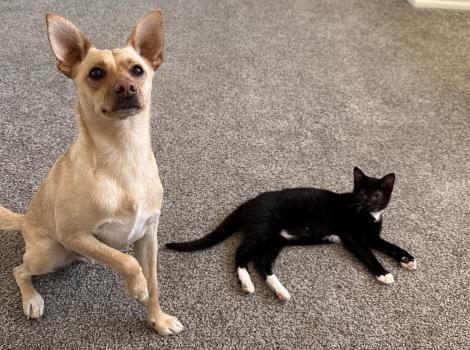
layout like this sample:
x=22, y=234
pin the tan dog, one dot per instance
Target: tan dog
x=104, y=193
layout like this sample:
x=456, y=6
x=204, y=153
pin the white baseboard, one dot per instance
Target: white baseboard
x=442, y=4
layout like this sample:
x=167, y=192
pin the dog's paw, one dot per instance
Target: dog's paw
x=166, y=325
x=387, y=279
x=136, y=288
x=34, y=307
x=409, y=264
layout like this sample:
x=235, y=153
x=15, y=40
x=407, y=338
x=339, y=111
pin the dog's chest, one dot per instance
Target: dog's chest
x=121, y=232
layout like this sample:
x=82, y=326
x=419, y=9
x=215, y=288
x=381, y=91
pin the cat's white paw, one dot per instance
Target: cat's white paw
x=281, y=292
x=248, y=287
x=387, y=279
x=410, y=265
x=283, y=295
x=245, y=280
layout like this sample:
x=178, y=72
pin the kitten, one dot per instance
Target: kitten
x=304, y=216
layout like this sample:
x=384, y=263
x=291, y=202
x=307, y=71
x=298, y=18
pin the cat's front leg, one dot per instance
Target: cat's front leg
x=360, y=250
x=405, y=259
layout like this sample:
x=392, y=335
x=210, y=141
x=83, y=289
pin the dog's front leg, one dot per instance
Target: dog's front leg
x=127, y=266
x=146, y=253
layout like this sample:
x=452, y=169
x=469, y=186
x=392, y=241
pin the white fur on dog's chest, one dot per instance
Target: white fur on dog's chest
x=121, y=233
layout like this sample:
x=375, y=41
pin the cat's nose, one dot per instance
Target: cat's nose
x=375, y=199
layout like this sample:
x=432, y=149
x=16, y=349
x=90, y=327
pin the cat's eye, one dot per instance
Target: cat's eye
x=137, y=70
x=96, y=73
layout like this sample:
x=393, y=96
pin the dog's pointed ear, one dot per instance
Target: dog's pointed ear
x=147, y=38
x=67, y=43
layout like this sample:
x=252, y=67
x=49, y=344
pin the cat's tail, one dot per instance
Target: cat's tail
x=228, y=227
x=10, y=221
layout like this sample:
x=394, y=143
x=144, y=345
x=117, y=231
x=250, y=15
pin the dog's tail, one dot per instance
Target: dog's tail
x=228, y=227
x=10, y=221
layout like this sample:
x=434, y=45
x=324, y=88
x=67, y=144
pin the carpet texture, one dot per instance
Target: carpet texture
x=257, y=96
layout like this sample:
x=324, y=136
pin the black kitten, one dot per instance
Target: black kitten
x=274, y=220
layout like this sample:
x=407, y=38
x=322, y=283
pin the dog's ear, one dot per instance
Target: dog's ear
x=147, y=38
x=68, y=44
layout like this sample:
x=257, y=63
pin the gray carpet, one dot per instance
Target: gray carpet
x=255, y=96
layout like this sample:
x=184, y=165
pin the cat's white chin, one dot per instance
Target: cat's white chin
x=377, y=215
x=386, y=279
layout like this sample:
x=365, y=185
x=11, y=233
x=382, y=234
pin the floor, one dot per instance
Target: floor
x=256, y=96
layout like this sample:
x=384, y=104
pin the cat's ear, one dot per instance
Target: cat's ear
x=359, y=177
x=388, y=180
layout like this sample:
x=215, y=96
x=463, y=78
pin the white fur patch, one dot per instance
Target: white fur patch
x=245, y=280
x=277, y=287
x=333, y=239
x=121, y=233
x=287, y=235
x=410, y=265
x=387, y=279
x=376, y=214
x=34, y=306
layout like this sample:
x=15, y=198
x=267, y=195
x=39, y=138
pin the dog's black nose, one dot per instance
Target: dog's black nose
x=125, y=88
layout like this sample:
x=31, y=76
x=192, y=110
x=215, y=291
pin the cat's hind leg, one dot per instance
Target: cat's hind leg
x=245, y=253
x=281, y=292
x=264, y=265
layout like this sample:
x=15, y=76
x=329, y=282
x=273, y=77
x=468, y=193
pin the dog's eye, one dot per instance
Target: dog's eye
x=96, y=73
x=137, y=70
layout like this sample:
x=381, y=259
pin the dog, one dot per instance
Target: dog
x=104, y=193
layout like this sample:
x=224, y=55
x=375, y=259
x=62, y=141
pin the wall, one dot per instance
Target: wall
x=443, y=4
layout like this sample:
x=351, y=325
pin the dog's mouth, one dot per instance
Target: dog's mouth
x=123, y=109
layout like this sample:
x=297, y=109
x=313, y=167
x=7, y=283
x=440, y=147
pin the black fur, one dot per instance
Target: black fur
x=310, y=215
